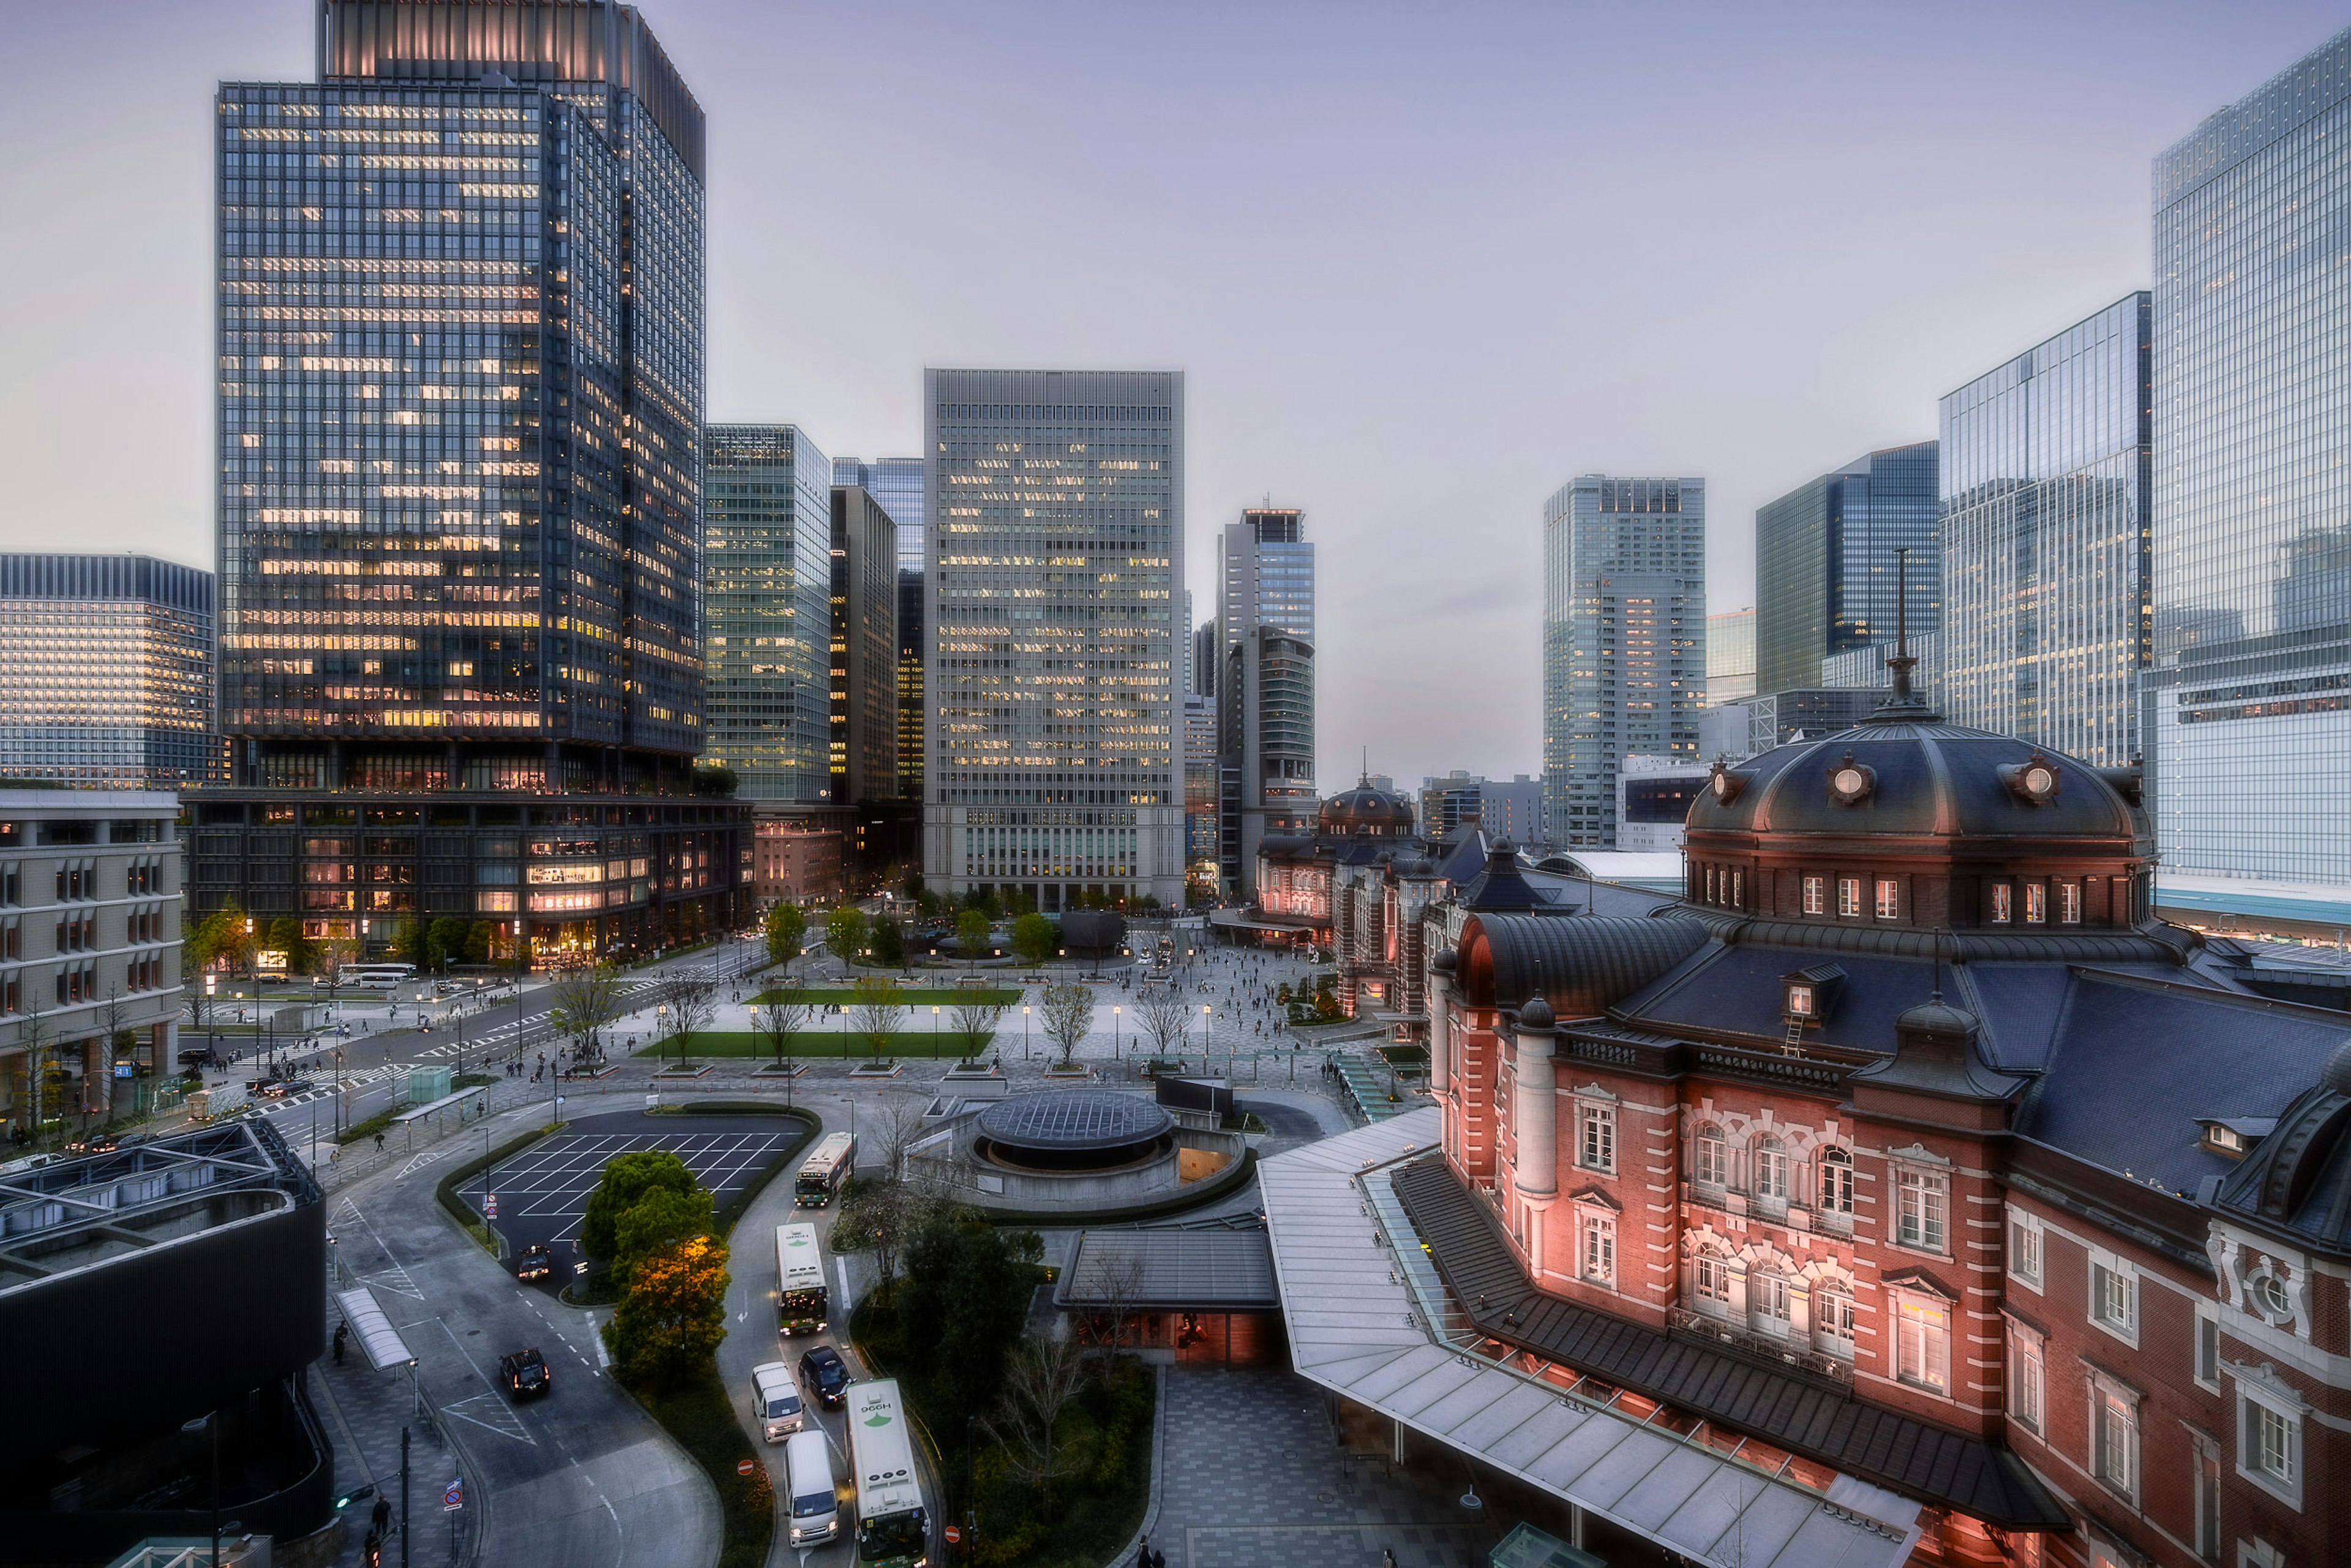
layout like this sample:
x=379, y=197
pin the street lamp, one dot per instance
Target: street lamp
x=1024, y=1032
x=1204, y=1037
x=934, y=1032
x=1117, y=1042
x=661, y=1027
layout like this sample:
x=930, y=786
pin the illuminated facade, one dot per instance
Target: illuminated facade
x=460, y=325
x=1055, y=550
x=1623, y=639
x=1824, y=576
x=105, y=671
x=1265, y=622
x=897, y=484
x=767, y=606
x=864, y=664
x=1730, y=656
x=2247, y=714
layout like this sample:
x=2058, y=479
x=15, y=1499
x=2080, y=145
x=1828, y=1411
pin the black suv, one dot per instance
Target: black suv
x=534, y=1262
x=526, y=1374
x=823, y=1369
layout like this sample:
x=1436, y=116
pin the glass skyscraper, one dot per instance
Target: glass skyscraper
x=1265, y=622
x=460, y=323
x=1825, y=562
x=1056, y=553
x=2249, y=710
x=767, y=603
x=897, y=484
x=105, y=672
x=1623, y=639
x=1730, y=657
x=2045, y=619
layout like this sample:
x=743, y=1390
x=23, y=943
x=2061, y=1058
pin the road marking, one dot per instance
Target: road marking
x=501, y=1417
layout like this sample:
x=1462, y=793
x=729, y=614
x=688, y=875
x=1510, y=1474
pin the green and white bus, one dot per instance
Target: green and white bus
x=893, y=1530
x=799, y=1280
x=824, y=1172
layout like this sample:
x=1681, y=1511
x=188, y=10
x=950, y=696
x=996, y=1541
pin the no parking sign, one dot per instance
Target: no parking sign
x=452, y=1497
x=489, y=1206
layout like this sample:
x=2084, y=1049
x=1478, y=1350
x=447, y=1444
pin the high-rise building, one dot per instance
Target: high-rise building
x=1451, y=803
x=897, y=484
x=1623, y=639
x=863, y=751
x=1730, y=657
x=1462, y=800
x=105, y=672
x=1825, y=562
x=1265, y=720
x=2246, y=725
x=1206, y=641
x=1200, y=784
x=460, y=338
x=2045, y=619
x=1056, y=553
x=766, y=591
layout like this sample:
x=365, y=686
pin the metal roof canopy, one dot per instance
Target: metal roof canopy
x=1170, y=1271
x=385, y=1349
x=1354, y=1329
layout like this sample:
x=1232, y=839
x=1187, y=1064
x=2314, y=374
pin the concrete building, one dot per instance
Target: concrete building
x=1623, y=639
x=766, y=605
x=2246, y=725
x=1512, y=810
x=1730, y=656
x=798, y=861
x=1265, y=717
x=460, y=510
x=1735, y=731
x=1056, y=559
x=2047, y=625
x=863, y=749
x=1825, y=562
x=1653, y=798
x=897, y=484
x=89, y=950
x=1200, y=775
x=105, y=672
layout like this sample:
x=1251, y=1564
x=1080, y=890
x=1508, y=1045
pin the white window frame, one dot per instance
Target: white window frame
x=2205, y=1352
x=1889, y=898
x=1836, y=1179
x=2027, y=1379
x=1595, y=1137
x=1771, y=1169
x=1817, y=895
x=1770, y=1303
x=1849, y=898
x=1922, y=1341
x=1713, y=1263
x=2069, y=904
x=2204, y=1457
x=2113, y=1435
x=2036, y=903
x=1596, y=1246
x=1922, y=1210
x=2003, y=904
x=2267, y=1408
x=1835, y=1312
x=1720, y=1159
x=2028, y=1249
x=2114, y=1295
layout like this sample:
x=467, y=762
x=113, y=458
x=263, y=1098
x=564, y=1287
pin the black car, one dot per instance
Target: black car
x=526, y=1373
x=822, y=1370
x=534, y=1263
x=278, y=1088
x=107, y=1143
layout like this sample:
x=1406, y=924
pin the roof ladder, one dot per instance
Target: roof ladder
x=1794, y=1044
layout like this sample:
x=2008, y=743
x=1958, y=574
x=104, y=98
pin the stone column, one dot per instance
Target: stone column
x=1535, y=1120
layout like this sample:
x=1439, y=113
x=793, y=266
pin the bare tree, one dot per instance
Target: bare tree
x=1115, y=1283
x=335, y=956
x=692, y=1005
x=33, y=1034
x=1068, y=1016
x=1040, y=1384
x=880, y=1008
x=586, y=1002
x=976, y=1016
x=901, y=1127
x=880, y=1214
x=785, y=1014
x=1165, y=1013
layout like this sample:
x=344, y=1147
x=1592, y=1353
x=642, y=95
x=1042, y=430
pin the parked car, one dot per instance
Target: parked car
x=526, y=1374
x=822, y=1370
x=534, y=1262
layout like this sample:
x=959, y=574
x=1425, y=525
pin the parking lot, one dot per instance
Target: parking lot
x=542, y=1192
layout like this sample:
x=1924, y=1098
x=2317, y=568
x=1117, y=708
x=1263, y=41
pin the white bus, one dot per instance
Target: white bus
x=799, y=1280
x=825, y=1170
x=893, y=1531
x=377, y=976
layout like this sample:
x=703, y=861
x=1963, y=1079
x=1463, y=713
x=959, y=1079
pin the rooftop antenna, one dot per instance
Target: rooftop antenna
x=1368, y=769
x=1903, y=703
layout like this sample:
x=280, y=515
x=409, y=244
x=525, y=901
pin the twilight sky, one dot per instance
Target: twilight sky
x=1422, y=262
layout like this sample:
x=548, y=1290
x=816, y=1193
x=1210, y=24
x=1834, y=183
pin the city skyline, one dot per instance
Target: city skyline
x=1558, y=392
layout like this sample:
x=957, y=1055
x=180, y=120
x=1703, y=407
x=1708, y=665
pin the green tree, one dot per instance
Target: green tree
x=222, y=939
x=887, y=941
x=968, y=1285
x=844, y=932
x=786, y=928
x=673, y=1315
x=408, y=945
x=972, y=929
x=976, y=1014
x=709, y=778
x=1069, y=1015
x=1034, y=938
x=449, y=939
x=657, y=1222
x=285, y=937
x=626, y=1181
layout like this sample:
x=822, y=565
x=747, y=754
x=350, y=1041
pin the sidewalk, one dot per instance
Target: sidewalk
x=364, y=1411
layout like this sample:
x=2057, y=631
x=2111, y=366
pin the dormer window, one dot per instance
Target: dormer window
x=2032, y=781
x=1806, y=995
x=2233, y=1137
x=1801, y=1000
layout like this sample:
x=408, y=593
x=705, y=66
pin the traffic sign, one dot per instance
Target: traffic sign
x=955, y=1534
x=489, y=1206
x=452, y=1497
x=743, y=1466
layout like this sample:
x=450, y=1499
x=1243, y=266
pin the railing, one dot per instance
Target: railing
x=1770, y=1069
x=1820, y=1363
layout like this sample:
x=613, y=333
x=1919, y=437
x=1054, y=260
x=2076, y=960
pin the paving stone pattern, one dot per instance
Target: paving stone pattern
x=1254, y=1475
x=361, y=1405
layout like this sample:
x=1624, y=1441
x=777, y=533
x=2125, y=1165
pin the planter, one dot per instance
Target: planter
x=876, y=1070
x=777, y=1069
x=694, y=1072
x=1070, y=1071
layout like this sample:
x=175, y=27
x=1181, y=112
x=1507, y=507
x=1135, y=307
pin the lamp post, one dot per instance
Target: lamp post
x=661, y=1027
x=1117, y=1040
x=1024, y=1032
x=1204, y=1037
x=935, y=1032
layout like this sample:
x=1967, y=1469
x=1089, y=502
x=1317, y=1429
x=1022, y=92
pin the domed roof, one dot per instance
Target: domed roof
x=1905, y=773
x=1365, y=810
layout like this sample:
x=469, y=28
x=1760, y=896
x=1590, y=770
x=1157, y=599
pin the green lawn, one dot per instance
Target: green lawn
x=945, y=1045
x=928, y=996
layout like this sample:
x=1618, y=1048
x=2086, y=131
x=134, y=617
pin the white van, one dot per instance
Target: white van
x=815, y=1507
x=777, y=1399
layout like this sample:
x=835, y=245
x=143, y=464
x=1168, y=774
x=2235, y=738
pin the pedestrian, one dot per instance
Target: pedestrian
x=343, y=1333
x=1143, y=1554
x=379, y=1142
x=383, y=1515
x=1388, y=1557
x=1158, y=1558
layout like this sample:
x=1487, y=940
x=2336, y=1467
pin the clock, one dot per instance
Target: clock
x=2033, y=780
x=1850, y=783
x=1726, y=784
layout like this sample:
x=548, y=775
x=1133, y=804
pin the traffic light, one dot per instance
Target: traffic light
x=371, y=1552
x=349, y=1498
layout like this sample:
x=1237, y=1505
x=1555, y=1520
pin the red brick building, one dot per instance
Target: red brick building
x=797, y=862
x=1909, y=1146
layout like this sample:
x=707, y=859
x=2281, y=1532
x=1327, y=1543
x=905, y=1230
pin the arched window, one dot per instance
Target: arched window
x=1710, y=1157
x=1710, y=1281
x=1771, y=1169
x=1771, y=1302
x=1836, y=1181
x=1832, y=1316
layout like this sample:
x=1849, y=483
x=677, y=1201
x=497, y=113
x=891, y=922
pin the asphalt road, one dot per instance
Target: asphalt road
x=580, y=1479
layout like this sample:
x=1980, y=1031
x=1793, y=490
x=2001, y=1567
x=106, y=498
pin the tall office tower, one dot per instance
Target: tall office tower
x=2046, y=624
x=461, y=370
x=1825, y=562
x=897, y=484
x=863, y=751
x=1200, y=784
x=1730, y=657
x=1206, y=641
x=2246, y=725
x=1265, y=620
x=1623, y=639
x=766, y=592
x=105, y=672
x=1056, y=552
